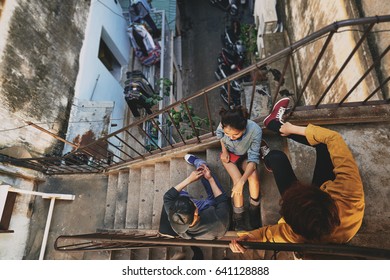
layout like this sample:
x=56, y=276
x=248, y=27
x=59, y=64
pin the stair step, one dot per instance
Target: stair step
x=269, y=191
x=140, y=254
x=121, y=199
x=219, y=253
x=146, y=196
x=133, y=196
x=161, y=185
x=120, y=255
x=175, y=253
x=109, y=216
x=207, y=253
x=158, y=253
x=177, y=171
x=97, y=255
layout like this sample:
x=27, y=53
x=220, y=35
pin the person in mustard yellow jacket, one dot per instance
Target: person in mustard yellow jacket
x=331, y=209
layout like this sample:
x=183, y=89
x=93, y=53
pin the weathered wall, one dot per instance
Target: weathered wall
x=379, y=41
x=305, y=17
x=38, y=69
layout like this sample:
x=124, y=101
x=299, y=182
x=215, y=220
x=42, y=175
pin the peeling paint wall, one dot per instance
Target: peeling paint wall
x=39, y=62
x=305, y=17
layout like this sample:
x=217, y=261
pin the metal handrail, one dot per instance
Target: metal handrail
x=123, y=241
x=101, y=158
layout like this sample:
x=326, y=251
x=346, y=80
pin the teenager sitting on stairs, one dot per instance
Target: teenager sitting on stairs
x=331, y=209
x=196, y=218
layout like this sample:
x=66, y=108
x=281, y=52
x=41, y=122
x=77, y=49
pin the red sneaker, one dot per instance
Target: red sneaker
x=277, y=111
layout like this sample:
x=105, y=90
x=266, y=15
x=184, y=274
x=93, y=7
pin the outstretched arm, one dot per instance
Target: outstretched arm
x=194, y=176
x=288, y=128
x=345, y=167
x=207, y=175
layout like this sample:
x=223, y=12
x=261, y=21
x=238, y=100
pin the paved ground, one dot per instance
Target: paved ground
x=83, y=215
x=203, y=26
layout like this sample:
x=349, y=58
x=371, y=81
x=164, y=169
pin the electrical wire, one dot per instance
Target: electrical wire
x=111, y=10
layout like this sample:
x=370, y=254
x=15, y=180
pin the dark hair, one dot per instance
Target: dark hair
x=311, y=212
x=236, y=118
x=181, y=214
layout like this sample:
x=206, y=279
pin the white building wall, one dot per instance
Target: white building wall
x=264, y=13
x=94, y=81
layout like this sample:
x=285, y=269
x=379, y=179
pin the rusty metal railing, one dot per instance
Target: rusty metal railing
x=334, y=102
x=111, y=241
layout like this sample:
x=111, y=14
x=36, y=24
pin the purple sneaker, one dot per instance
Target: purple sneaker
x=277, y=111
x=194, y=160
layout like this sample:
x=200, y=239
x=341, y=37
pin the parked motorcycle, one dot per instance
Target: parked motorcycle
x=234, y=49
x=231, y=59
x=230, y=6
x=231, y=34
x=222, y=72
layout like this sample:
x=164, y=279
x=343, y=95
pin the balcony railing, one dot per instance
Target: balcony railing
x=175, y=125
x=111, y=241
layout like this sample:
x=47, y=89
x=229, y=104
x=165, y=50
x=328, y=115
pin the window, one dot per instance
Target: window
x=108, y=59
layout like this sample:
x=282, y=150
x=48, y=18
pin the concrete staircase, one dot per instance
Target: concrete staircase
x=131, y=198
x=135, y=200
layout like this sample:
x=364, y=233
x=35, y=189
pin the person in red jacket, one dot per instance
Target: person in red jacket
x=331, y=209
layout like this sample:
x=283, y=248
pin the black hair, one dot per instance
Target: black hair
x=311, y=212
x=236, y=118
x=182, y=211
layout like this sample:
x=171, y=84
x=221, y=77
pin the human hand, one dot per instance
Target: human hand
x=205, y=171
x=195, y=175
x=289, y=128
x=286, y=129
x=225, y=157
x=237, y=188
x=237, y=248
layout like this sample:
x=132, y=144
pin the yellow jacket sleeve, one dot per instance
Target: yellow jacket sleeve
x=346, y=190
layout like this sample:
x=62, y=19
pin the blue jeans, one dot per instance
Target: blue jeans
x=205, y=203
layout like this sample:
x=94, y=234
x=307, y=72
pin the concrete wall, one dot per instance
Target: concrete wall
x=95, y=84
x=379, y=40
x=40, y=42
x=304, y=17
x=12, y=245
x=50, y=67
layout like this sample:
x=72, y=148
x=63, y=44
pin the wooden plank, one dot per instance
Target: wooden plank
x=6, y=208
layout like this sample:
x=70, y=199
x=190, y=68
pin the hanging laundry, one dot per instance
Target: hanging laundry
x=137, y=92
x=147, y=51
x=140, y=11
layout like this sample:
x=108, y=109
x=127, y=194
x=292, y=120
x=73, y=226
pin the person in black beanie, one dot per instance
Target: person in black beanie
x=197, y=218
